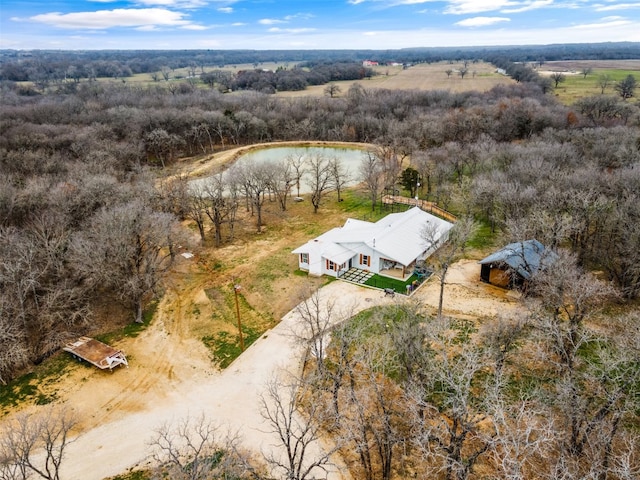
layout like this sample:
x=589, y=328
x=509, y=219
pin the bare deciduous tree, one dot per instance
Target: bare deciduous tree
x=35, y=444
x=557, y=78
x=376, y=419
x=449, y=425
x=320, y=175
x=253, y=180
x=447, y=248
x=569, y=293
x=127, y=248
x=332, y=90
x=166, y=73
x=523, y=438
x=220, y=203
x=39, y=299
x=298, y=163
x=316, y=319
x=371, y=171
x=604, y=81
x=502, y=337
x=281, y=181
x=340, y=176
x=195, y=449
x=300, y=454
x=162, y=145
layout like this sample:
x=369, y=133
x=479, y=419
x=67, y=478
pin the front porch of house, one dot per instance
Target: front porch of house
x=391, y=269
x=397, y=273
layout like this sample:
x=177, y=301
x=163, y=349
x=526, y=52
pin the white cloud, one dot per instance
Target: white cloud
x=172, y=3
x=616, y=6
x=605, y=23
x=193, y=26
x=481, y=21
x=287, y=19
x=225, y=9
x=458, y=7
x=464, y=7
x=302, y=16
x=528, y=6
x=291, y=30
x=122, y=17
x=392, y=3
x=270, y=21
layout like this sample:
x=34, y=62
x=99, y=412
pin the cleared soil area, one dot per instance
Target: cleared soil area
x=421, y=77
x=171, y=373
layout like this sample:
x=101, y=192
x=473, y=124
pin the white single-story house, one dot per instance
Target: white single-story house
x=389, y=246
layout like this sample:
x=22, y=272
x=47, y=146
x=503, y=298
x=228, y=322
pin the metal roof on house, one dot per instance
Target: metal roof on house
x=525, y=258
x=397, y=237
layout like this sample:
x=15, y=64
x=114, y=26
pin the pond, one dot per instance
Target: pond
x=350, y=158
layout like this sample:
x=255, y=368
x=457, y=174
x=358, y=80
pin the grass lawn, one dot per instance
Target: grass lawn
x=378, y=281
x=576, y=86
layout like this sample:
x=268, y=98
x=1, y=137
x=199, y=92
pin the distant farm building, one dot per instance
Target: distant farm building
x=515, y=264
x=369, y=63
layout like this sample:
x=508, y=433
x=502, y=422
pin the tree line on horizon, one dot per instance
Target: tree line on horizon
x=27, y=65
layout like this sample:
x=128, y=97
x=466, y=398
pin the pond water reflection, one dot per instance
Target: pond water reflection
x=350, y=158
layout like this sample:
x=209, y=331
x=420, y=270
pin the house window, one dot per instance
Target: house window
x=331, y=265
x=304, y=258
x=365, y=260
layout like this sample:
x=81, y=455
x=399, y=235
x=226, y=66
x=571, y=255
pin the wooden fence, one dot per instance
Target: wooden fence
x=423, y=204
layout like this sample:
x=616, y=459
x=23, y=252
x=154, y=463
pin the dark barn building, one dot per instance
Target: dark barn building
x=515, y=264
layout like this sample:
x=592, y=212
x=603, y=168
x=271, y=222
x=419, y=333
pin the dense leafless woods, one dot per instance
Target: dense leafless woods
x=86, y=218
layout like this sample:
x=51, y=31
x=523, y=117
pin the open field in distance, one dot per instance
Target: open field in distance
x=576, y=85
x=422, y=77
x=481, y=76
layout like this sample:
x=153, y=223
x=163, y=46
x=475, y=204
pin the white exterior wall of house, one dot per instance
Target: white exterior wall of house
x=312, y=267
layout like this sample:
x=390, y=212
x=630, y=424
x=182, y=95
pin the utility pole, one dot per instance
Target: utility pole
x=236, y=289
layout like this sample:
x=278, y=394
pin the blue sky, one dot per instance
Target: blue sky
x=311, y=24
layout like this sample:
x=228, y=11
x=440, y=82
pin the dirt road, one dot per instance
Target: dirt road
x=230, y=397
